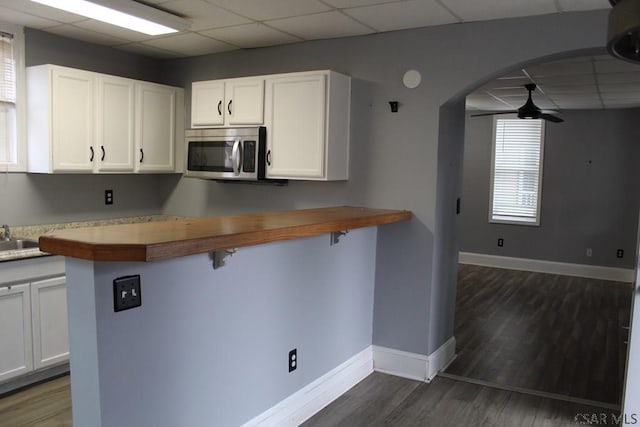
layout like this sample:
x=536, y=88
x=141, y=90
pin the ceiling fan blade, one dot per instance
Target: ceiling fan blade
x=493, y=114
x=551, y=118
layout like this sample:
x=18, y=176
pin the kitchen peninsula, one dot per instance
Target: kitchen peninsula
x=210, y=346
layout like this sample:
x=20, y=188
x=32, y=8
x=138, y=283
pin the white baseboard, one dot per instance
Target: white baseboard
x=412, y=365
x=440, y=359
x=540, y=266
x=307, y=401
x=400, y=363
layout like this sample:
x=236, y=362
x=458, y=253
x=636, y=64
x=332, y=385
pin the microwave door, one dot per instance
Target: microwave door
x=212, y=156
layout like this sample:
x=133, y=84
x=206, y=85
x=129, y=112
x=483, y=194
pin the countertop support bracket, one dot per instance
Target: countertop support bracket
x=218, y=257
x=336, y=235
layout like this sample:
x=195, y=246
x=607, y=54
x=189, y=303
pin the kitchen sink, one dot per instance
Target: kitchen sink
x=12, y=245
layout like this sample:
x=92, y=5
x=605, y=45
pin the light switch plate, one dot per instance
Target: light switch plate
x=126, y=293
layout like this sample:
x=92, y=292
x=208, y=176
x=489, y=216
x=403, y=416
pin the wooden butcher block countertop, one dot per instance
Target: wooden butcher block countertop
x=170, y=239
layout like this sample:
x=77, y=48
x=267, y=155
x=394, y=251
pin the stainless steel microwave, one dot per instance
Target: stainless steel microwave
x=226, y=153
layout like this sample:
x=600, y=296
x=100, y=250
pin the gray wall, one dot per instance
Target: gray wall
x=589, y=198
x=209, y=347
x=407, y=160
x=38, y=199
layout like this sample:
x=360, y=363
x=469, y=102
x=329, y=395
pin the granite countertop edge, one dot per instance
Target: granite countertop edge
x=33, y=232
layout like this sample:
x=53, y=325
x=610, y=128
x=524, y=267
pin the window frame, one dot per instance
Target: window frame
x=20, y=165
x=515, y=220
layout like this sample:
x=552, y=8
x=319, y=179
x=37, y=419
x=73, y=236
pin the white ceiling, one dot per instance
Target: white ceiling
x=595, y=82
x=223, y=25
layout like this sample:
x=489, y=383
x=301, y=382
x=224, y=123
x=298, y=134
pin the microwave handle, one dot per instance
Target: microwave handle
x=236, y=157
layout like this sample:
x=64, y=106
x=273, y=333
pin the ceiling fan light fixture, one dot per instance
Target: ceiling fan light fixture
x=126, y=14
x=623, y=34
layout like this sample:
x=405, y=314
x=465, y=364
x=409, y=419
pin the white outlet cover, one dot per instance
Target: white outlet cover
x=412, y=79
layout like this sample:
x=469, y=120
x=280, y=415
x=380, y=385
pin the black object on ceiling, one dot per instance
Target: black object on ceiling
x=623, y=35
x=528, y=111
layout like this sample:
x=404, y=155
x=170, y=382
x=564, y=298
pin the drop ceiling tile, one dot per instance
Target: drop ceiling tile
x=614, y=65
x=24, y=19
x=271, y=9
x=342, y=4
x=571, y=5
x=113, y=30
x=560, y=90
x=204, y=15
x=323, y=25
x=78, y=33
x=620, y=87
x=613, y=96
x=568, y=80
x=497, y=9
x=402, y=15
x=143, y=49
x=622, y=103
x=42, y=11
x=189, y=44
x=616, y=78
x=250, y=35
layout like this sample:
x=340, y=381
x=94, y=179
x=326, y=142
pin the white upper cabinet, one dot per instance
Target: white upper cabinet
x=307, y=120
x=72, y=120
x=155, y=134
x=80, y=121
x=114, y=143
x=231, y=102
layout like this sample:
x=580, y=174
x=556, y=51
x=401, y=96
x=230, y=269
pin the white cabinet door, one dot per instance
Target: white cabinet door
x=207, y=103
x=114, y=143
x=15, y=331
x=49, y=314
x=72, y=117
x=296, y=126
x=155, y=132
x=244, y=101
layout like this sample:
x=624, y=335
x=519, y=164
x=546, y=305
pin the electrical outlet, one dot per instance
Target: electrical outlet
x=620, y=253
x=501, y=242
x=589, y=252
x=126, y=293
x=108, y=197
x=293, y=360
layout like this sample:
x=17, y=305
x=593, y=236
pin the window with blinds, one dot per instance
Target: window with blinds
x=516, y=178
x=8, y=138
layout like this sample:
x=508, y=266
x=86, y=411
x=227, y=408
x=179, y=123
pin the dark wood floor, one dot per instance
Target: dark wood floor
x=384, y=400
x=550, y=333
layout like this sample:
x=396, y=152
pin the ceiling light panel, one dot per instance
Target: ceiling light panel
x=132, y=15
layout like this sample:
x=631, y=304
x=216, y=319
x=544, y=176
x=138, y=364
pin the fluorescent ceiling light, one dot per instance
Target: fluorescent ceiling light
x=128, y=15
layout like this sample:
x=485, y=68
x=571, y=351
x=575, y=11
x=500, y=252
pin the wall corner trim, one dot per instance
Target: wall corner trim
x=541, y=266
x=441, y=358
x=306, y=402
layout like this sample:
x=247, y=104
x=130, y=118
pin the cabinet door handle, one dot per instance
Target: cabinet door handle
x=269, y=157
x=220, y=107
x=91, y=156
x=229, y=106
x=141, y=155
x=103, y=153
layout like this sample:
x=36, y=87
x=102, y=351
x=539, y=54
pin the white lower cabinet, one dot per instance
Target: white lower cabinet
x=15, y=331
x=49, y=322
x=33, y=326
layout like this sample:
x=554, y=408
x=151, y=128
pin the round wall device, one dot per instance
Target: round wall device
x=412, y=79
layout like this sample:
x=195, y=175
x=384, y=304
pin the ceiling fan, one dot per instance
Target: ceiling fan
x=528, y=111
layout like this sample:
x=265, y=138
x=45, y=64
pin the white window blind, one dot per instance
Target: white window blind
x=8, y=149
x=517, y=171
